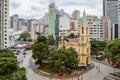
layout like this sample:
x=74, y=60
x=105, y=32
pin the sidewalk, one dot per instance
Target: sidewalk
x=93, y=74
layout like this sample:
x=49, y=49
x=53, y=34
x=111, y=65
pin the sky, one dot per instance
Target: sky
x=29, y=9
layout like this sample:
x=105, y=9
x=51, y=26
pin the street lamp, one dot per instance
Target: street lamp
x=78, y=75
x=99, y=68
x=26, y=69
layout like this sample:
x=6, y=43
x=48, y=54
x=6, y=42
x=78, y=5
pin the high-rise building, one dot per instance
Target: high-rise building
x=21, y=24
x=108, y=30
x=4, y=15
x=64, y=25
x=14, y=21
x=76, y=14
x=52, y=19
x=110, y=10
x=97, y=28
x=118, y=18
x=114, y=31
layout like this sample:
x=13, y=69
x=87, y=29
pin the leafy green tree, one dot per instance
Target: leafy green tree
x=63, y=59
x=50, y=40
x=112, y=52
x=40, y=52
x=9, y=70
x=25, y=36
x=97, y=47
x=42, y=39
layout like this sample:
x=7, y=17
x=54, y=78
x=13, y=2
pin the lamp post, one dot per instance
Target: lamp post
x=99, y=68
x=26, y=69
x=78, y=75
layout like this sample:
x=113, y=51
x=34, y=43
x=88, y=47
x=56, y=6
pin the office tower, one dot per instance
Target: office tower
x=110, y=10
x=118, y=18
x=76, y=14
x=14, y=22
x=22, y=25
x=4, y=15
x=57, y=23
x=114, y=31
x=108, y=30
x=52, y=18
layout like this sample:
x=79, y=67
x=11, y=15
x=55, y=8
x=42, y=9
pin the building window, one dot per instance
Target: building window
x=5, y=19
x=88, y=50
x=5, y=42
x=82, y=30
x=87, y=30
x=82, y=39
x=87, y=39
x=5, y=12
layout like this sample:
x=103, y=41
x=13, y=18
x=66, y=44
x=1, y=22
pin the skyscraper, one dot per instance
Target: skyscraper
x=14, y=20
x=76, y=14
x=4, y=15
x=119, y=18
x=52, y=19
x=110, y=10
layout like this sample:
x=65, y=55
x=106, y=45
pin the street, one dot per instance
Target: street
x=97, y=73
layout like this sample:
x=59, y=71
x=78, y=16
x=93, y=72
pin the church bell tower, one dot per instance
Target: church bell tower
x=84, y=42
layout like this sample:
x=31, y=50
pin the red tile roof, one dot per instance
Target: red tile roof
x=74, y=40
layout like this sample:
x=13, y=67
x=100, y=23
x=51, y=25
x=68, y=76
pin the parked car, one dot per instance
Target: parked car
x=100, y=57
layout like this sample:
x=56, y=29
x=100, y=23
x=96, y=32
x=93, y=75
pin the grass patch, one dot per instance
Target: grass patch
x=46, y=69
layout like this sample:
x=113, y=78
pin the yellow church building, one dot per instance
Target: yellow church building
x=81, y=44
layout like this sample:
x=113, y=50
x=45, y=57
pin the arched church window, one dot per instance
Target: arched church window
x=87, y=30
x=82, y=30
x=88, y=50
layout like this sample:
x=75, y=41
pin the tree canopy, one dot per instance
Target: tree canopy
x=97, y=47
x=25, y=36
x=9, y=70
x=42, y=39
x=63, y=59
x=112, y=52
x=57, y=59
x=40, y=52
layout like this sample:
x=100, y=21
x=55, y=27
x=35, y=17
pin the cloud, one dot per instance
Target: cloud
x=37, y=8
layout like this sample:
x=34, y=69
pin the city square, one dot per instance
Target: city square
x=60, y=40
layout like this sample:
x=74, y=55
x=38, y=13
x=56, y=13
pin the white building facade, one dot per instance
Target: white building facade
x=64, y=25
x=97, y=28
x=4, y=16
